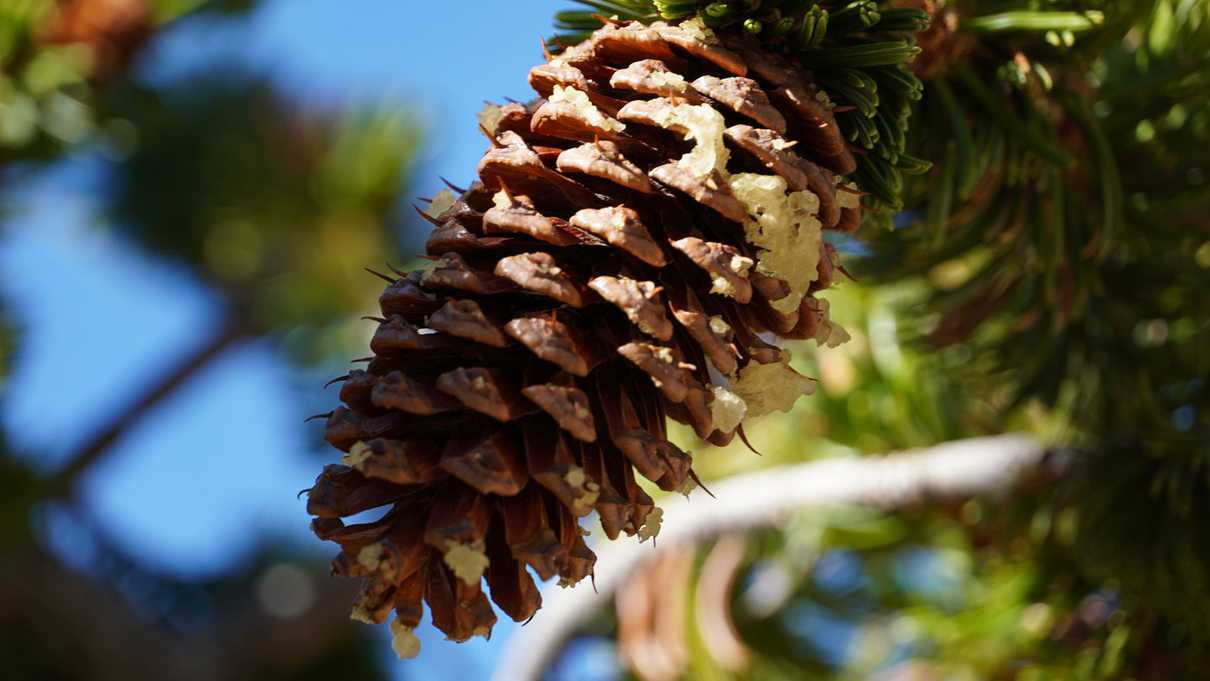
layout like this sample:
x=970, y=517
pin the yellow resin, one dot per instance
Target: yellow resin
x=687, y=486
x=703, y=125
x=426, y=272
x=767, y=388
x=848, y=197
x=785, y=229
x=675, y=81
x=697, y=28
x=357, y=455
x=719, y=326
x=370, y=557
x=501, y=199
x=360, y=614
x=727, y=410
x=722, y=285
x=651, y=526
x=442, y=202
x=588, y=110
x=830, y=334
x=404, y=641
x=489, y=118
x=468, y=561
x=588, y=491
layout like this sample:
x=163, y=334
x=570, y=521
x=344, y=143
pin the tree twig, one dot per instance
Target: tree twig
x=957, y=469
x=158, y=389
x=87, y=629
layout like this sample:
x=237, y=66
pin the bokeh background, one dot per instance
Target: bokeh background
x=190, y=190
x=205, y=209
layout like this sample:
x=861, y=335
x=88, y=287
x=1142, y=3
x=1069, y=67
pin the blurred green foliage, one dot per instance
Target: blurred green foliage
x=56, y=57
x=42, y=85
x=280, y=209
x=1077, y=285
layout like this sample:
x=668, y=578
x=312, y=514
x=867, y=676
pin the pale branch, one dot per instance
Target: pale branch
x=957, y=469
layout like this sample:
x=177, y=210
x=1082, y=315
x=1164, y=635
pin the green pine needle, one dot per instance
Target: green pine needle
x=856, y=51
x=1034, y=21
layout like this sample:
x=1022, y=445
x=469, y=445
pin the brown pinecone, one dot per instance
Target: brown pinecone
x=636, y=237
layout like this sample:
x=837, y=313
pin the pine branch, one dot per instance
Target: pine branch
x=955, y=469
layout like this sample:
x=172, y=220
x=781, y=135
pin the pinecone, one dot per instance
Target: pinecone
x=636, y=237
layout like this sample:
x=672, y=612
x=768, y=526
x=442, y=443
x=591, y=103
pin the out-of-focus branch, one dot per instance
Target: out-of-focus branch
x=956, y=469
x=89, y=630
x=156, y=391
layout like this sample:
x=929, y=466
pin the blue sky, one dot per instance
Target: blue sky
x=97, y=318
